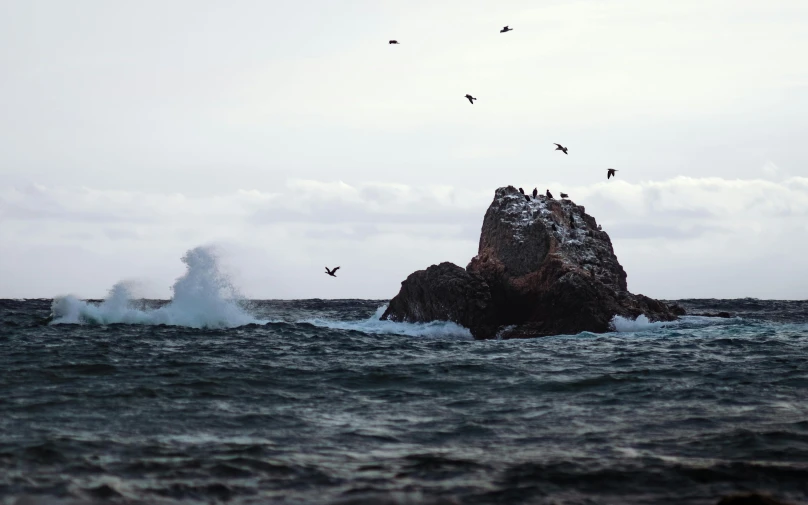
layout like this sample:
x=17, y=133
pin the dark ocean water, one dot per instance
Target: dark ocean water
x=326, y=404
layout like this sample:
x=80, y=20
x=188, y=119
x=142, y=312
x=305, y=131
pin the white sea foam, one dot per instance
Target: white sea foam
x=623, y=324
x=203, y=298
x=375, y=325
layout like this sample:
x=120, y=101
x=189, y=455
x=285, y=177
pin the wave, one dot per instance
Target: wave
x=642, y=323
x=375, y=325
x=203, y=297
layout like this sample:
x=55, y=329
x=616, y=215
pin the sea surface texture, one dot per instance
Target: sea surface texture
x=206, y=400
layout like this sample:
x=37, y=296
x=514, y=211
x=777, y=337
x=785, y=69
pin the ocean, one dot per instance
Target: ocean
x=209, y=399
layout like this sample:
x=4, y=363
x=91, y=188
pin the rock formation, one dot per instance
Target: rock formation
x=543, y=268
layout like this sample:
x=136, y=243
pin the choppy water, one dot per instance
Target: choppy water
x=326, y=404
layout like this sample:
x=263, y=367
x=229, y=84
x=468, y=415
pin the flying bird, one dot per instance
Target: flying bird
x=535, y=192
x=564, y=195
x=610, y=172
x=506, y=29
x=331, y=272
x=471, y=99
x=393, y=42
x=549, y=195
x=560, y=148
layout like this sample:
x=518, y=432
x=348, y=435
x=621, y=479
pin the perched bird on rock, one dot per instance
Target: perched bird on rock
x=548, y=194
x=610, y=172
x=331, y=272
x=527, y=198
x=522, y=191
x=535, y=192
x=506, y=30
x=393, y=42
x=471, y=99
x=564, y=195
x=561, y=148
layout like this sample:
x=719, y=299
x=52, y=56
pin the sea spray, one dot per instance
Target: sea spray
x=203, y=297
x=375, y=325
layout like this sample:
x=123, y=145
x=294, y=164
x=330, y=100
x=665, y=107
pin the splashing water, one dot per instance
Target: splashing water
x=642, y=323
x=203, y=297
x=375, y=325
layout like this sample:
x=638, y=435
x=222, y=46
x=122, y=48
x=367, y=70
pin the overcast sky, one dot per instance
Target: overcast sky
x=292, y=136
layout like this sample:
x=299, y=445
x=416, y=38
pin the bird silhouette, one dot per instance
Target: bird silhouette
x=471, y=99
x=527, y=197
x=564, y=195
x=393, y=42
x=522, y=191
x=549, y=195
x=560, y=148
x=535, y=192
x=506, y=29
x=332, y=273
x=610, y=172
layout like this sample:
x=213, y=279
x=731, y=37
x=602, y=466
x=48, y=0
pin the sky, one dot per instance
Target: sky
x=291, y=136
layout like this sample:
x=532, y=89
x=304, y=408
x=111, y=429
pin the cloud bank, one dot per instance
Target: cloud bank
x=679, y=237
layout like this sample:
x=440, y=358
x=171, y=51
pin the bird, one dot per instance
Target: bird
x=535, y=192
x=522, y=191
x=393, y=42
x=610, y=172
x=471, y=99
x=506, y=29
x=564, y=195
x=549, y=195
x=331, y=272
x=561, y=148
x=527, y=198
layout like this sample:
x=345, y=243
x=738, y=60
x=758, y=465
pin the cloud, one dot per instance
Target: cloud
x=668, y=234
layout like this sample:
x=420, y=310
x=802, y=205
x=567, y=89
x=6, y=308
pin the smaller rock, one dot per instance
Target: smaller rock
x=444, y=292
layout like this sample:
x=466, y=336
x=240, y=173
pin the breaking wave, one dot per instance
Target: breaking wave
x=375, y=325
x=203, y=297
x=642, y=323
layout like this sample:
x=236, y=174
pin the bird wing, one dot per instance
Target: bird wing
x=335, y=269
x=471, y=100
x=559, y=145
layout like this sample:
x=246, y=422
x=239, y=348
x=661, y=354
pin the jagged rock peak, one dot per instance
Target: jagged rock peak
x=522, y=233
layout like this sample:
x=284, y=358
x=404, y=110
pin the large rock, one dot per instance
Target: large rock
x=544, y=267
